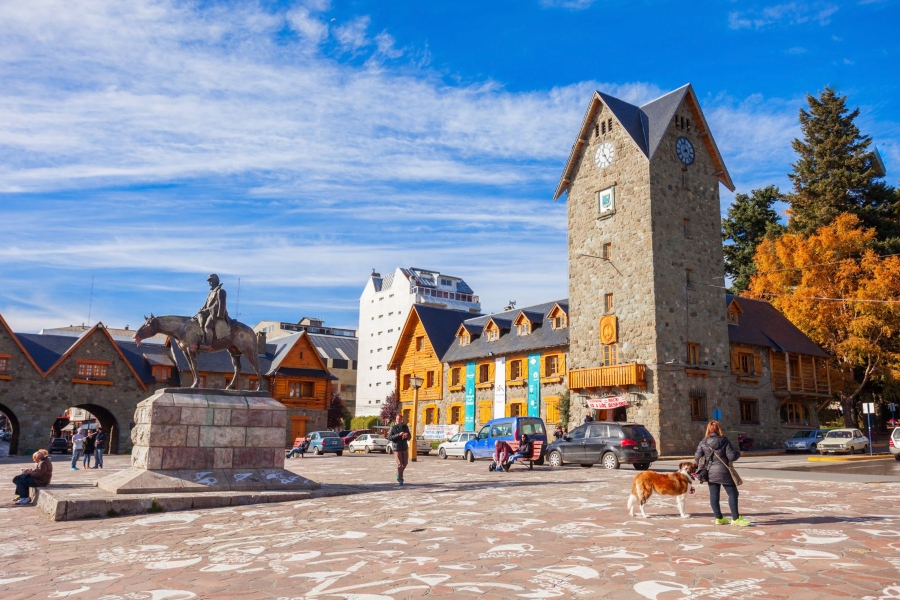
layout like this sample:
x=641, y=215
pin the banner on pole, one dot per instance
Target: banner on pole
x=534, y=385
x=470, y=397
x=499, y=387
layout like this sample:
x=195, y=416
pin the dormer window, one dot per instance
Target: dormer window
x=161, y=373
x=524, y=328
x=734, y=312
x=465, y=340
x=558, y=318
x=492, y=335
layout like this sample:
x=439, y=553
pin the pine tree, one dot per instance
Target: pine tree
x=749, y=220
x=837, y=172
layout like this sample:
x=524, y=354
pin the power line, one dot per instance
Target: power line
x=829, y=299
x=834, y=262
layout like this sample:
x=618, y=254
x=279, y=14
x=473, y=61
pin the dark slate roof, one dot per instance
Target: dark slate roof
x=143, y=357
x=510, y=342
x=298, y=372
x=440, y=325
x=533, y=316
x=336, y=347
x=762, y=324
x=46, y=349
x=659, y=113
x=630, y=117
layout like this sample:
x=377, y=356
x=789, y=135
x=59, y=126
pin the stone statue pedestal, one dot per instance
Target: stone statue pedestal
x=198, y=440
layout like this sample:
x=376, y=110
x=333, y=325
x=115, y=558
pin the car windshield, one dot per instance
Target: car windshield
x=455, y=438
x=804, y=434
x=838, y=434
x=325, y=434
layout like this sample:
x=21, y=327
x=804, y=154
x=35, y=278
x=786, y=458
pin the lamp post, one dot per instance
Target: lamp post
x=416, y=383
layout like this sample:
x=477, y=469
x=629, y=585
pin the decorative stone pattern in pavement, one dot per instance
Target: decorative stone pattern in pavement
x=456, y=530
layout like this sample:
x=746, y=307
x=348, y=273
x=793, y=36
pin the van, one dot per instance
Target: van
x=506, y=429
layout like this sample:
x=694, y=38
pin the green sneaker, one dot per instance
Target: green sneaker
x=740, y=522
x=722, y=521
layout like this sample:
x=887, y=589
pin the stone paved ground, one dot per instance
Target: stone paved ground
x=458, y=531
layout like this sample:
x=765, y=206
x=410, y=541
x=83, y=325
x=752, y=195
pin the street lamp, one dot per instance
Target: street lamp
x=416, y=383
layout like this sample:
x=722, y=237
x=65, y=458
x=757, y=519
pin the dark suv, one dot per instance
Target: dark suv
x=60, y=445
x=608, y=444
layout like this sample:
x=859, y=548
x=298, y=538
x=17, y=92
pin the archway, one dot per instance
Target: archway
x=109, y=424
x=14, y=423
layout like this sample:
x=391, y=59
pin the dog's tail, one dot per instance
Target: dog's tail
x=632, y=502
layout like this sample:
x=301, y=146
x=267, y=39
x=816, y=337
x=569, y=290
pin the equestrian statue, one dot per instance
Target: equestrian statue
x=210, y=330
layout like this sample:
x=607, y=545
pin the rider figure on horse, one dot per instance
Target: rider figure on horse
x=212, y=311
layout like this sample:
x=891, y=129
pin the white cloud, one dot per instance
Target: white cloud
x=385, y=43
x=570, y=4
x=790, y=13
x=352, y=36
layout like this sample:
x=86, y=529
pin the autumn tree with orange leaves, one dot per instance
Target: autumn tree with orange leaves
x=839, y=292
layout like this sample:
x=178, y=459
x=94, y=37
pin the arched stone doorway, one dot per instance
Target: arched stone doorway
x=14, y=422
x=109, y=424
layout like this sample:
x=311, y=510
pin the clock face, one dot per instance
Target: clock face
x=685, y=150
x=604, y=155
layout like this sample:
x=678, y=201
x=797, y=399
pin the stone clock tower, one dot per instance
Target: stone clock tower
x=648, y=330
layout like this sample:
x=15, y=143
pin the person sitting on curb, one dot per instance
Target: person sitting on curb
x=33, y=478
x=502, y=450
x=524, y=451
x=299, y=449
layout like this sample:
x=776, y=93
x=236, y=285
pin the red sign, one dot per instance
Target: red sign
x=607, y=403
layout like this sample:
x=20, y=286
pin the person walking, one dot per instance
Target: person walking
x=99, y=448
x=399, y=437
x=715, y=449
x=77, y=448
x=40, y=476
x=89, y=440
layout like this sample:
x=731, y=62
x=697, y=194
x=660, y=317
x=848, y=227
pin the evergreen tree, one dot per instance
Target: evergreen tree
x=749, y=220
x=336, y=410
x=837, y=172
x=390, y=408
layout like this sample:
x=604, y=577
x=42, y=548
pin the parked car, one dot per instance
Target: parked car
x=60, y=445
x=352, y=435
x=608, y=444
x=804, y=441
x=456, y=445
x=5, y=436
x=369, y=442
x=843, y=440
x=325, y=441
x=895, y=443
x=423, y=446
x=506, y=429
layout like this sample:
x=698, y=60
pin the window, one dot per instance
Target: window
x=455, y=376
x=693, y=354
x=603, y=127
x=687, y=228
x=485, y=409
x=517, y=409
x=606, y=251
x=492, y=335
x=446, y=282
x=794, y=413
x=484, y=373
x=429, y=379
x=596, y=131
x=747, y=363
x=431, y=415
x=301, y=389
x=4, y=364
x=95, y=370
x=698, y=405
x=420, y=343
x=610, y=355
x=465, y=339
x=455, y=414
x=608, y=302
x=551, y=365
x=406, y=381
x=159, y=373
x=524, y=328
x=749, y=410
x=515, y=369
x=733, y=316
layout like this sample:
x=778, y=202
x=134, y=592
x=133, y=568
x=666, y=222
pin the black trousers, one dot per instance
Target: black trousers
x=732, y=492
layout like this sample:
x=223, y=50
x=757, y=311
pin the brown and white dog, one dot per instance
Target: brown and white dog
x=676, y=484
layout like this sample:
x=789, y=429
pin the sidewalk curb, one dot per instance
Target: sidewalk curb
x=849, y=458
x=743, y=455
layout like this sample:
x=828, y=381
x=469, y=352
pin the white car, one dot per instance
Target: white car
x=369, y=442
x=894, y=444
x=843, y=440
x=423, y=446
x=456, y=445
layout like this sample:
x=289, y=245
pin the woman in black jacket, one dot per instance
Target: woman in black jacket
x=715, y=448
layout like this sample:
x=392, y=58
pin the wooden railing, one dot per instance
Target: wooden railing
x=613, y=376
x=799, y=374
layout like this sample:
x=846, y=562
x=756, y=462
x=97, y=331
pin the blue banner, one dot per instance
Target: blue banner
x=470, y=397
x=534, y=385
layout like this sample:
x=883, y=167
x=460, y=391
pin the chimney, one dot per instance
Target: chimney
x=261, y=342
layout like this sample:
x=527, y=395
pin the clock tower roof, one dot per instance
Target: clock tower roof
x=646, y=125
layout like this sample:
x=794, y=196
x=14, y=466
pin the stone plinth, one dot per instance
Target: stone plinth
x=196, y=440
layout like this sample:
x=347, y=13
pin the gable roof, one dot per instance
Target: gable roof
x=335, y=346
x=646, y=126
x=18, y=342
x=762, y=324
x=540, y=337
x=440, y=324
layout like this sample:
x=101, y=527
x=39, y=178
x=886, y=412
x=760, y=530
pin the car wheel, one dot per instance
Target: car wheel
x=556, y=459
x=813, y=448
x=539, y=462
x=442, y=453
x=389, y=449
x=897, y=457
x=340, y=452
x=852, y=450
x=317, y=451
x=641, y=466
x=610, y=461
x=469, y=456
x=586, y=465
x=368, y=450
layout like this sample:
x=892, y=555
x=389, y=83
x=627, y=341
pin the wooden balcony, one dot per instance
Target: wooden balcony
x=613, y=376
x=799, y=374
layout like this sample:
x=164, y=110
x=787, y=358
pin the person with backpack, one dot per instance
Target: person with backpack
x=715, y=449
x=89, y=444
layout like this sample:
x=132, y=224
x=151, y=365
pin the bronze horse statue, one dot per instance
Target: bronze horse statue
x=233, y=336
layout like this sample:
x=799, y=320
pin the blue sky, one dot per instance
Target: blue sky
x=298, y=145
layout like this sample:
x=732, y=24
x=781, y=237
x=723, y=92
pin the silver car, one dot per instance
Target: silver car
x=844, y=440
x=895, y=443
x=804, y=441
x=455, y=446
x=369, y=442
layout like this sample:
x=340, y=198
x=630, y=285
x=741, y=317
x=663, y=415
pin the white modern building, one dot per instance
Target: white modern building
x=383, y=308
